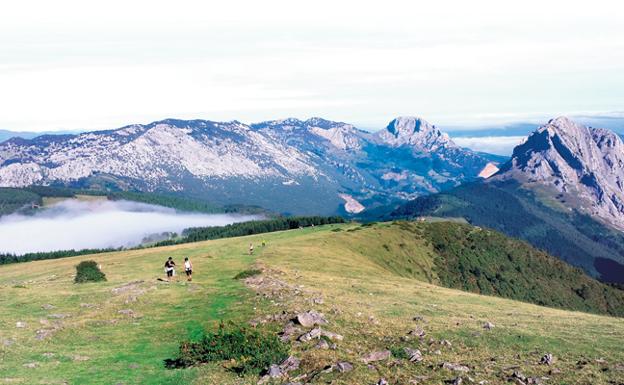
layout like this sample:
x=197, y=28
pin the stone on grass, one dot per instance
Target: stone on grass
x=331, y=335
x=289, y=364
x=382, y=381
x=310, y=318
x=20, y=324
x=322, y=344
x=47, y=306
x=31, y=365
x=488, y=326
x=454, y=367
x=377, y=356
x=312, y=334
x=414, y=354
x=344, y=366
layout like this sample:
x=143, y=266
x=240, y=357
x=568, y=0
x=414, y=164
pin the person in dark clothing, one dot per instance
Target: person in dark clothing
x=170, y=268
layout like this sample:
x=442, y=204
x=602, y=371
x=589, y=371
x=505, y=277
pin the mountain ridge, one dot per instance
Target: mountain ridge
x=313, y=161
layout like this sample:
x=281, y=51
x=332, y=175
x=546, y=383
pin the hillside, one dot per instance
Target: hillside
x=120, y=331
x=530, y=213
x=312, y=166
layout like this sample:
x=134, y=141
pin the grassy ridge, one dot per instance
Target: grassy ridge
x=369, y=297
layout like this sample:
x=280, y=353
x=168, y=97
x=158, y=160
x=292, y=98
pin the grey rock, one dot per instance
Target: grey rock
x=377, y=356
x=414, y=355
x=58, y=316
x=322, y=344
x=312, y=334
x=488, y=326
x=20, y=324
x=454, y=367
x=382, y=381
x=31, y=365
x=310, y=318
x=344, y=366
x=47, y=306
x=331, y=335
x=275, y=371
x=289, y=364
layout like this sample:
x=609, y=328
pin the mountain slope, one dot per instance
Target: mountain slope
x=348, y=275
x=585, y=165
x=311, y=166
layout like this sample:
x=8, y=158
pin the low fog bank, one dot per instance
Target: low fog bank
x=78, y=225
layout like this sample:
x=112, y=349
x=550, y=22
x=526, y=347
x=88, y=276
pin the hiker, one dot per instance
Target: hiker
x=170, y=268
x=188, y=269
x=251, y=249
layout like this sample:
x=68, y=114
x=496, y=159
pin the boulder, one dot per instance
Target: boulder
x=331, y=335
x=290, y=364
x=344, y=366
x=414, y=355
x=312, y=334
x=488, y=326
x=310, y=318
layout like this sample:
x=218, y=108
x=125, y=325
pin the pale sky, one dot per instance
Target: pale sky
x=80, y=65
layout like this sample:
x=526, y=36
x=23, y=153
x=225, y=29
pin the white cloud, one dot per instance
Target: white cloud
x=76, y=65
x=500, y=145
x=98, y=224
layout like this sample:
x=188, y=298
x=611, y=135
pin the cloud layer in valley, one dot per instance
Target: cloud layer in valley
x=98, y=224
x=499, y=145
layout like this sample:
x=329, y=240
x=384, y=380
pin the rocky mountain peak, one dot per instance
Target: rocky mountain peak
x=583, y=163
x=414, y=131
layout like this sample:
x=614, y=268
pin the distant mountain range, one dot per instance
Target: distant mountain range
x=562, y=190
x=291, y=166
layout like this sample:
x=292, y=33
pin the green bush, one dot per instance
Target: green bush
x=247, y=350
x=247, y=273
x=88, y=271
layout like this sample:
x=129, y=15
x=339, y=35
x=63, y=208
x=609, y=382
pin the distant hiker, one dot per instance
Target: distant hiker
x=188, y=269
x=250, y=248
x=170, y=268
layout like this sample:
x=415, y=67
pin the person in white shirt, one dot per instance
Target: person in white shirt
x=188, y=268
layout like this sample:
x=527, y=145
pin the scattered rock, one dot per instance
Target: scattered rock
x=42, y=334
x=20, y=324
x=414, y=355
x=437, y=352
x=310, y=318
x=418, y=318
x=289, y=330
x=382, y=381
x=87, y=305
x=8, y=342
x=126, y=287
x=377, y=356
x=290, y=364
x=456, y=381
x=331, y=335
x=127, y=312
x=446, y=343
x=58, y=316
x=344, y=366
x=619, y=367
x=417, y=332
x=454, y=367
x=48, y=355
x=418, y=380
x=488, y=326
x=80, y=358
x=312, y=334
x=31, y=365
x=322, y=344
x=547, y=359
x=133, y=366
x=47, y=306
x=275, y=371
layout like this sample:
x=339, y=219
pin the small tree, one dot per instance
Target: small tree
x=88, y=271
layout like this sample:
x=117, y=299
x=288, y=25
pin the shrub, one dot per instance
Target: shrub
x=88, y=271
x=247, y=350
x=399, y=352
x=247, y=273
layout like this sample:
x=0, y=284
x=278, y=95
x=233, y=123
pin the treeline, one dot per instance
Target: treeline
x=5, y=259
x=195, y=234
x=191, y=235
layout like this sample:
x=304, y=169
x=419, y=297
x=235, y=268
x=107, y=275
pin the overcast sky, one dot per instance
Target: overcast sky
x=79, y=65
